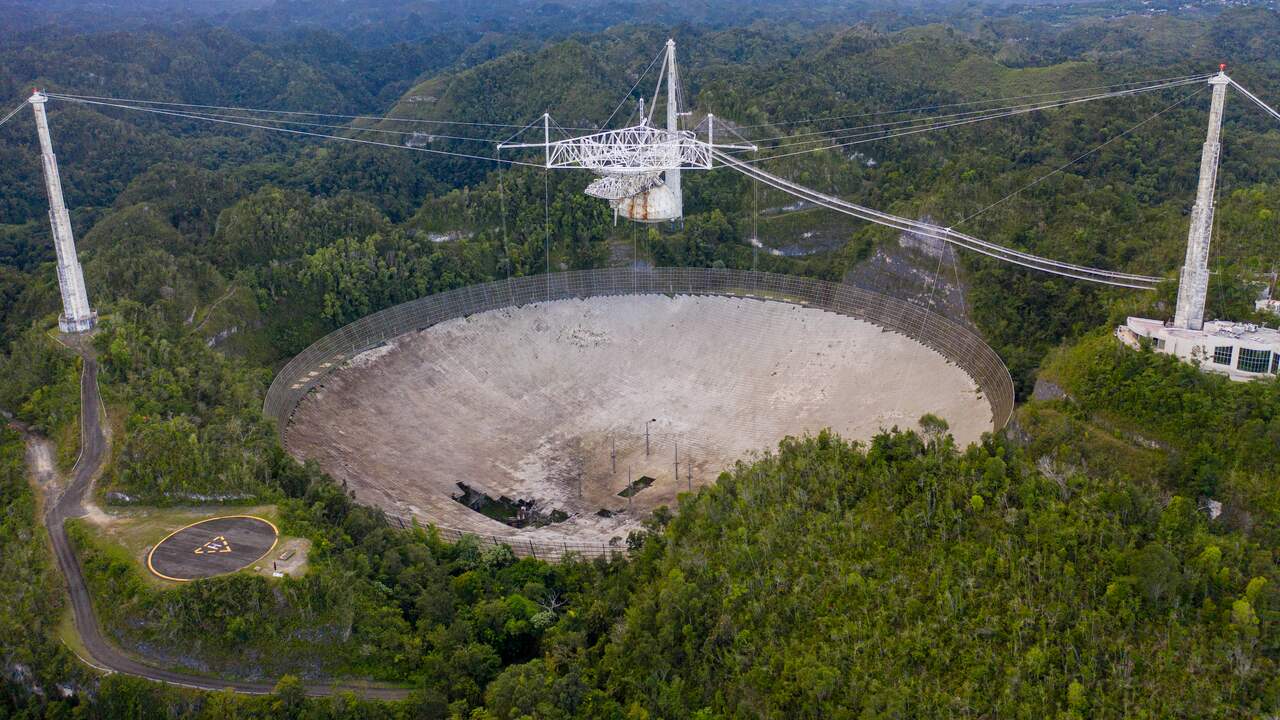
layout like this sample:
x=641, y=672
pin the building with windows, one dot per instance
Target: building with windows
x=1240, y=351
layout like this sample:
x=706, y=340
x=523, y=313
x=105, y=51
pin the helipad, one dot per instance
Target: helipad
x=212, y=547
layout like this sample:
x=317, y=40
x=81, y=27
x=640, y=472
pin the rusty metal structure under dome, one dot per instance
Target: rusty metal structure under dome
x=638, y=166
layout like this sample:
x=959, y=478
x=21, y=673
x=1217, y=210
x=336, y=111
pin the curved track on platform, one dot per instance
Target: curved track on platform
x=103, y=654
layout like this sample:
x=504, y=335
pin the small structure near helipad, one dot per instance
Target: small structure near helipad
x=212, y=547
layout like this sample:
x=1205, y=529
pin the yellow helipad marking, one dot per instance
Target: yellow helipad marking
x=152, y=553
x=217, y=545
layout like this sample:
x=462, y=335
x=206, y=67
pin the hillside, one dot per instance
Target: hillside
x=1064, y=567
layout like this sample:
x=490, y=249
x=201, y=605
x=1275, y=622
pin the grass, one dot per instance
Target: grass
x=70, y=637
x=67, y=442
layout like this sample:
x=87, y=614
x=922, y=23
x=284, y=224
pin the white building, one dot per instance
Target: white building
x=1240, y=351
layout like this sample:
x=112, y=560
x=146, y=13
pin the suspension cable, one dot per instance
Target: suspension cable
x=634, y=85
x=351, y=128
x=875, y=135
x=1066, y=165
x=382, y=118
x=191, y=116
x=919, y=129
x=999, y=252
x=986, y=111
x=13, y=112
x=1267, y=108
x=901, y=111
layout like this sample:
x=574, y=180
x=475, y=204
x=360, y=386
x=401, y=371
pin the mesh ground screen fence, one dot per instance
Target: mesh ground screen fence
x=953, y=341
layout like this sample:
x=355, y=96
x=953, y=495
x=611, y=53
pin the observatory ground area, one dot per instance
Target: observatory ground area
x=536, y=416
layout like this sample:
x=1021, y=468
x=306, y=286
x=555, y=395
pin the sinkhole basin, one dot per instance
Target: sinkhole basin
x=554, y=413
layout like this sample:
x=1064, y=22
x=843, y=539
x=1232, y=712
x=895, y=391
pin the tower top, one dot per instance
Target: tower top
x=37, y=97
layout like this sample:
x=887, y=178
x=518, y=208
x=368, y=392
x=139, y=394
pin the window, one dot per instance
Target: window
x=1222, y=354
x=1275, y=362
x=1254, y=361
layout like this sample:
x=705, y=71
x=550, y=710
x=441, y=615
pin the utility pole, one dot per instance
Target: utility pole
x=613, y=453
x=677, y=444
x=1193, y=286
x=77, y=316
x=673, y=113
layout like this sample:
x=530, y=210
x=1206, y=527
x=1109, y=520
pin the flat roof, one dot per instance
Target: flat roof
x=1213, y=330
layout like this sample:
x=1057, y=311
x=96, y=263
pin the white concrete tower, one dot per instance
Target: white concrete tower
x=76, y=315
x=1193, y=286
x=672, y=178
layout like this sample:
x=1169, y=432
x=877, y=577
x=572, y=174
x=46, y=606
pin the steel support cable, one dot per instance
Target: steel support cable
x=999, y=252
x=13, y=112
x=634, y=85
x=190, y=116
x=657, y=89
x=518, y=132
x=1256, y=100
x=302, y=123
x=912, y=131
x=909, y=127
x=925, y=125
x=1077, y=159
x=263, y=111
x=901, y=111
x=967, y=241
x=1048, y=104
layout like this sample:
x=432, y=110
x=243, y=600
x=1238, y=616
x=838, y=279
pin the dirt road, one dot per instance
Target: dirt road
x=103, y=654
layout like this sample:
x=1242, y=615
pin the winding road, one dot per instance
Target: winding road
x=103, y=654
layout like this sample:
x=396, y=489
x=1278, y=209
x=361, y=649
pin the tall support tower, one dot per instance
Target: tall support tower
x=672, y=176
x=76, y=314
x=1193, y=286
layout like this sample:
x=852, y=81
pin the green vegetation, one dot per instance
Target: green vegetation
x=1061, y=570
x=194, y=429
x=908, y=579
x=31, y=591
x=376, y=602
x=978, y=584
x=1212, y=429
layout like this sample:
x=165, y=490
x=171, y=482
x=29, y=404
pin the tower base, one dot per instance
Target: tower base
x=73, y=325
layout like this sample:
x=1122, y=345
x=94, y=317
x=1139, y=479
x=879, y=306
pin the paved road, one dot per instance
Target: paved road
x=104, y=654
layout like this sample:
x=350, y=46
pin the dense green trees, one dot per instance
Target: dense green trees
x=869, y=583
x=194, y=427
x=828, y=579
x=1063, y=572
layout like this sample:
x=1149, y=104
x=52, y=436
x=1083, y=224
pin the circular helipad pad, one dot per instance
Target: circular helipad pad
x=212, y=547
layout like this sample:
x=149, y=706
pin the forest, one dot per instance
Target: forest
x=1065, y=567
